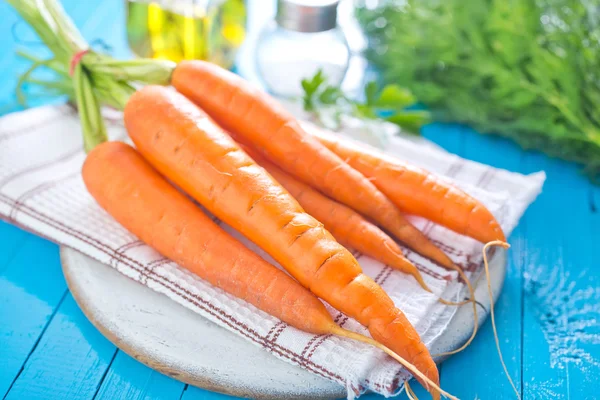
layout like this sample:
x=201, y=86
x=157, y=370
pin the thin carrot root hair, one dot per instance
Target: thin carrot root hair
x=489, y=286
x=417, y=275
x=426, y=287
x=471, y=300
x=409, y=392
x=493, y=319
x=463, y=302
x=414, y=370
x=421, y=281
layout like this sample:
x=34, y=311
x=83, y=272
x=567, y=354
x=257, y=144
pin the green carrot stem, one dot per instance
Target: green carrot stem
x=141, y=70
x=112, y=92
x=94, y=131
x=60, y=86
x=97, y=79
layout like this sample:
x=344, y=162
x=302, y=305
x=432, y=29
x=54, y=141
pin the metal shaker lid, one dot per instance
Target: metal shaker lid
x=307, y=15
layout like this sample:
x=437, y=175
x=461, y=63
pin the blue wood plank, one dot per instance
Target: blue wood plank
x=480, y=361
x=448, y=136
x=31, y=287
x=560, y=267
x=69, y=362
x=13, y=239
x=129, y=379
x=194, y=393
x=492, y=150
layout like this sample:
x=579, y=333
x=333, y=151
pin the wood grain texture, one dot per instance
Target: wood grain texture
x=14, y=240
x=481, y=359
x=69, y=361
x=129, y=379
x=31, y=288
x=559, y=265
x=193, y=393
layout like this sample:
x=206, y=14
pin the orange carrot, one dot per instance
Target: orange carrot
x=416, y=191
x=133, y=193
x=347, y=226
x=262, y=122
x=188, y=148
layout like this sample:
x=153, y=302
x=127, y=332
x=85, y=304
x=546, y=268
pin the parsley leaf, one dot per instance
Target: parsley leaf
x=526, y=70
x=385, y=104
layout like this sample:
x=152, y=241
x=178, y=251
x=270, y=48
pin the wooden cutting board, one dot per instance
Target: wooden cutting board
x=179, y=343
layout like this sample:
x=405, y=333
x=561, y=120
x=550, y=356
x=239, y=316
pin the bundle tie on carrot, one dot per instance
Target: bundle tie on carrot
x=76, y=59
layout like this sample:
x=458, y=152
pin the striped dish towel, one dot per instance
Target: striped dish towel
x=41, y=190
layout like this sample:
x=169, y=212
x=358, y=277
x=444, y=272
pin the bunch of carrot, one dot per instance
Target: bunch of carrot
x=286, y=213
x=301, y=195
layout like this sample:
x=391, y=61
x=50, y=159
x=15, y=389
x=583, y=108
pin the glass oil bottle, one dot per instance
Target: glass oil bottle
x=176, y=30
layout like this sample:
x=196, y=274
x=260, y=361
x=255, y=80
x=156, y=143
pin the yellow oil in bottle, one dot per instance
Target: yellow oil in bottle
x=187, y=29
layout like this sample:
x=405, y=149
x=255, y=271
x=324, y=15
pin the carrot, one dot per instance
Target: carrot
x=353, y=231
x=347, y=226
x=416, y=191
x=133, y=193
x=261, y=121
x=189, y=149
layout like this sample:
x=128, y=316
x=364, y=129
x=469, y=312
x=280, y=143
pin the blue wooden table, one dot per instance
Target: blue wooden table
x=551, y=344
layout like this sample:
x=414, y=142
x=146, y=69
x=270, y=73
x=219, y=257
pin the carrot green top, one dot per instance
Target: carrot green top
x=89, y=78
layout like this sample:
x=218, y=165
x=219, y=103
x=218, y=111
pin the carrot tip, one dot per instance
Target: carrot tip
x=435, y=390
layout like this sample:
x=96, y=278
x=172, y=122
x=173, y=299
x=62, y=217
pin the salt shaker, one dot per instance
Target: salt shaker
x=303, y=39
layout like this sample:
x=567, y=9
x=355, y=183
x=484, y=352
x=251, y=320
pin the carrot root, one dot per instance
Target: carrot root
x=489, y=286
x=504, y=245
x=475, y=318
x=414, y=370
x=409, y=392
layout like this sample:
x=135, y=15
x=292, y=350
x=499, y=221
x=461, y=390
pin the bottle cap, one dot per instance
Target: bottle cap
x=307, y=15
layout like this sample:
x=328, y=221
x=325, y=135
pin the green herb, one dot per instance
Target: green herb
x=97, y=79
x=525, y=69
x=327, y=102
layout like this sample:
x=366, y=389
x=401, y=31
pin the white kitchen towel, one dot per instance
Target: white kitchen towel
x=41, y=189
